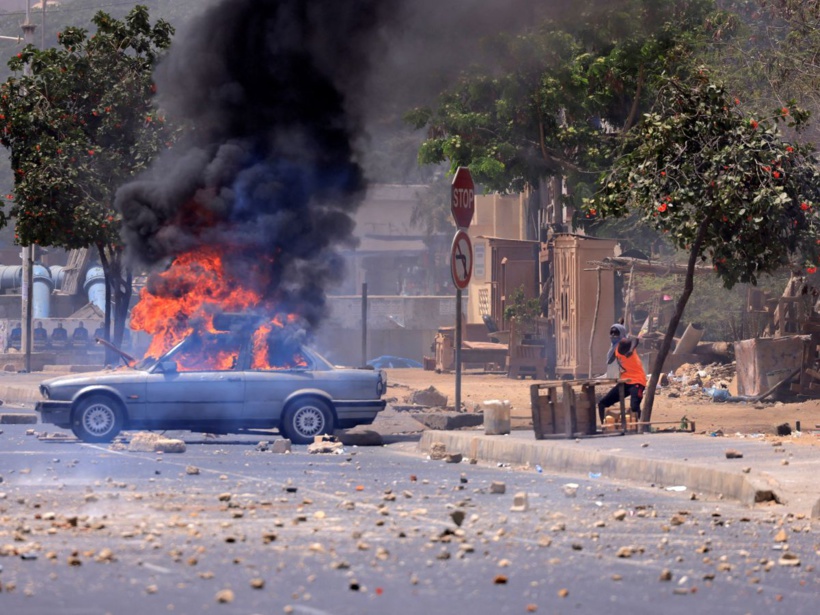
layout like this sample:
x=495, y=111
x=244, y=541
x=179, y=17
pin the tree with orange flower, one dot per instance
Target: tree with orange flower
x=79, y=123
x=724, y=187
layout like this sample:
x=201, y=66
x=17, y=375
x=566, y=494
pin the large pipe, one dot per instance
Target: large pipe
x=12, y=277
x=95, y=287
x=58, y=276
x=42, y=287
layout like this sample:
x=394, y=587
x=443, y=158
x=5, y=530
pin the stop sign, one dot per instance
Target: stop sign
x=462, y=202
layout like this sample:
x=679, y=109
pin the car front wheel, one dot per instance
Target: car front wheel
x=97, y=419
x=305, y=419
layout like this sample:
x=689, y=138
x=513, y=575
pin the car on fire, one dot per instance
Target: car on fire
x=213, y=382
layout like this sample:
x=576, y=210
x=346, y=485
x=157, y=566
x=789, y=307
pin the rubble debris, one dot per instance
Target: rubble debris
x=453, y=458
x=224, y=596
x=325, y=445
x=733, y=454
x=148, y=442
x=789, y=559
x=520, y=502
x=191, y=470
x=281, y=446
x=430, y=397
x=367, y=437
x=570, y=489
x=438, y=450
x=498, y=487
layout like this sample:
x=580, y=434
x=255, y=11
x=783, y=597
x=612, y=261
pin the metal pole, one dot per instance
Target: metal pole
x=28, y=251
x=458, y=350
x=364, y=324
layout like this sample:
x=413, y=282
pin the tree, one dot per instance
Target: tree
x=557, y=98
x=79, y=122
x=725, y=187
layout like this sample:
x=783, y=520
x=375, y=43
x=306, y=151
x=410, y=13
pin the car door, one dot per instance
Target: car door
x=198, y=383
x=266, y=391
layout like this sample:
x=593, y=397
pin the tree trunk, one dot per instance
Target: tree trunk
x=666, y=345
x=117, y=296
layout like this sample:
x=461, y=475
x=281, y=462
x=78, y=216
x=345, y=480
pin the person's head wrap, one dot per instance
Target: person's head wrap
x=621, y=335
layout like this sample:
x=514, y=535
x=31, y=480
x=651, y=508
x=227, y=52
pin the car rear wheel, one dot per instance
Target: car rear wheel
x=305, y=419
x=97, y=419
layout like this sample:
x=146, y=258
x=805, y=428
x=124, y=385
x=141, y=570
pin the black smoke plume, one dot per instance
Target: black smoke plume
x=275, y=95
x=267, y=169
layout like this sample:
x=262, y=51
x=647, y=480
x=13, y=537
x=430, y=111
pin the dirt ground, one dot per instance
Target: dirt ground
x=709, y=416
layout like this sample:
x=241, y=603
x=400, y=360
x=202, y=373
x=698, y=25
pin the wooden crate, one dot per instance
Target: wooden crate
x=567, y=408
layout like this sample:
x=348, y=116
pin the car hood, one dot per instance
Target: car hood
x=98, y=378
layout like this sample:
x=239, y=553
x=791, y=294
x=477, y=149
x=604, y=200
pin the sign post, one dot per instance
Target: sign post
x=462, y=206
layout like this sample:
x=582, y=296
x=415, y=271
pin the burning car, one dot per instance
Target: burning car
x=215, y=382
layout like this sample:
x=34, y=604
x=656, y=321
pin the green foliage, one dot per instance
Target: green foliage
x=773, y=57
x=719, y=184
x=79, y=123
x=561, y=93
x=522, y=309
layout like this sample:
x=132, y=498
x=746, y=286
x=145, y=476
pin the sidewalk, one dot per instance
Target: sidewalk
x=770, y=470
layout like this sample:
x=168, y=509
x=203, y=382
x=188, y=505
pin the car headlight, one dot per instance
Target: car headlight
x=45, y=392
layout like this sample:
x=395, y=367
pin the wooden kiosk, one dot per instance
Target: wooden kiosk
x=574, y=412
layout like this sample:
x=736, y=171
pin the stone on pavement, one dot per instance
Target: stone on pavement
x=429, y=397
x=497, y=487
x=520, y=502
x=437, y=451
x=447, y=421
x=361, y=438
x=281, y=446
x=147, y=442
x=325, y=445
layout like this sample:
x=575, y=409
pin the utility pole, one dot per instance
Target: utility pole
x=28, y=251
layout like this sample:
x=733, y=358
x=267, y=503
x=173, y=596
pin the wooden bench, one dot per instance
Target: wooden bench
x=571, y=413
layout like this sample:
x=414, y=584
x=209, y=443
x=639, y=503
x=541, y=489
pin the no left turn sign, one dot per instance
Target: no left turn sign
x=461, y=260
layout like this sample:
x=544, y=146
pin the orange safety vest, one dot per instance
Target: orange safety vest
x=631, y=368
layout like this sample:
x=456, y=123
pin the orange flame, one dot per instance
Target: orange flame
x=185, y=299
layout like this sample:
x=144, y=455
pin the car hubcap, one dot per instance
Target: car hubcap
x=309, y=421
x=98, y=420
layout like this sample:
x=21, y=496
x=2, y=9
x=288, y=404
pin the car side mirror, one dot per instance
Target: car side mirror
x=168, y=367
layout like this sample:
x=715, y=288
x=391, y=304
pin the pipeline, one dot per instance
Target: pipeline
x=94, y=287
x=42, y=285
x=58, y=274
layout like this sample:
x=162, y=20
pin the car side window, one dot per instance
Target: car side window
x=273, y=355
x=208, y=352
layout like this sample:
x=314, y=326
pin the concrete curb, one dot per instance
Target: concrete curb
x=562, y=457
x=17, y=418
x=20, y=394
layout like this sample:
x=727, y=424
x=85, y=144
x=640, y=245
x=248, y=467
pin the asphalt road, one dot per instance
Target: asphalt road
x=226, y=528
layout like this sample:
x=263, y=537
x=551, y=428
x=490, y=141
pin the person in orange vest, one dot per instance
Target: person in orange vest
x=633, y=375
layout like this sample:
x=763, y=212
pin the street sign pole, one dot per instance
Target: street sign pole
x=28, y=250
x=458, y=350
x=462, y=206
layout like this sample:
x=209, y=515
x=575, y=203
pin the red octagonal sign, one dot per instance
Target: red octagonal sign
x=462, y=203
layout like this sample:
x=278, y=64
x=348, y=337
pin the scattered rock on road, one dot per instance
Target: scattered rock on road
x=147, y=442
